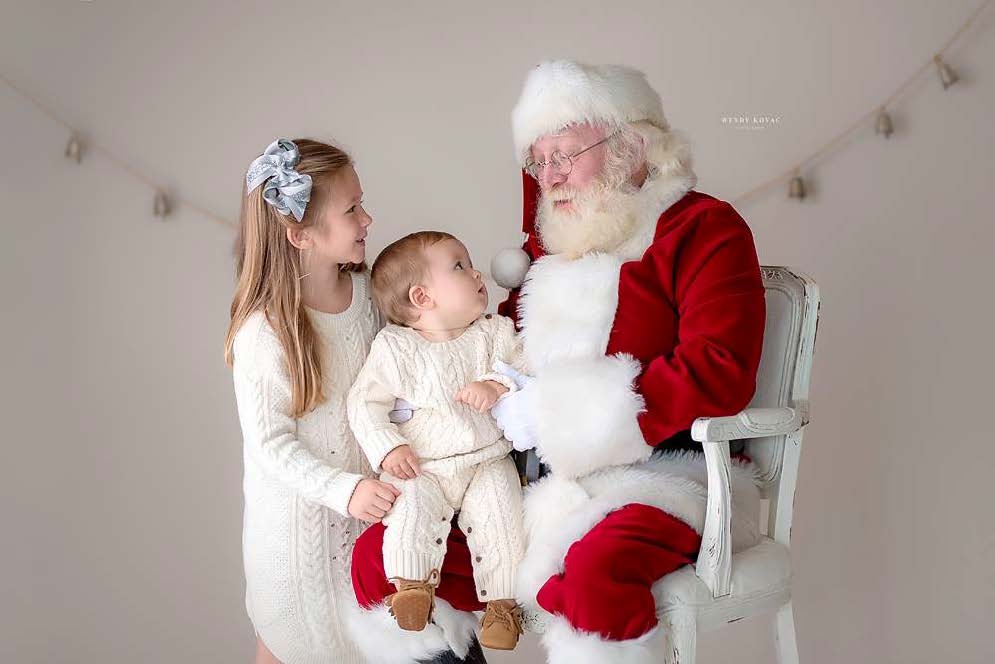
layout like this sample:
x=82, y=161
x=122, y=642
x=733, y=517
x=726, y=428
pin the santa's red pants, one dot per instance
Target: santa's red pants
x=369, y=580
x=605, y=587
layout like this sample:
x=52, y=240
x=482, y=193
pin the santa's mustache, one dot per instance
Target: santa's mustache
x=563, y=194
x=590, y=196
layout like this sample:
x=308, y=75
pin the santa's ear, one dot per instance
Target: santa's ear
x=640, y=141
x=420, y=298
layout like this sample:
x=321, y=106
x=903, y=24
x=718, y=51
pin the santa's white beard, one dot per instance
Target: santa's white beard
x=599, y=219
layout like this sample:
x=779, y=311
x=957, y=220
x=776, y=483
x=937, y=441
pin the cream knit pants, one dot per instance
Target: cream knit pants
x=488, y=497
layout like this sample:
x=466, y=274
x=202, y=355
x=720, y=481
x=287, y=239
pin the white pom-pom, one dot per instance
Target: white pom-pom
x=509, y=266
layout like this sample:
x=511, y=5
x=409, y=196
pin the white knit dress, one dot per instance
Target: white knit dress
x=299, y=476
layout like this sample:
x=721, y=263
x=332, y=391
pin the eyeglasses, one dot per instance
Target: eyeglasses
x=561, y=163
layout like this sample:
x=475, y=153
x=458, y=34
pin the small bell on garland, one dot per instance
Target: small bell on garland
x=947, y=75
x=796, y=189
x=883, y=124
x=74, y=148
x=160, y=205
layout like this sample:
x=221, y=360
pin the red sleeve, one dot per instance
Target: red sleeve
x=721, y=311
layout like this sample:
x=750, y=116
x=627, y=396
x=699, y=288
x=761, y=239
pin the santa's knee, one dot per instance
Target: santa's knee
x=599, y=604
x=590, y=557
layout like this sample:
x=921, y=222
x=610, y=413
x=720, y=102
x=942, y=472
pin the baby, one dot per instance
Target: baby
x=439, y=354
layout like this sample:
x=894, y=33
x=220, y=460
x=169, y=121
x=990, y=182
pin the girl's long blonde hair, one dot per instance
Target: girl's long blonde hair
x=268, y=272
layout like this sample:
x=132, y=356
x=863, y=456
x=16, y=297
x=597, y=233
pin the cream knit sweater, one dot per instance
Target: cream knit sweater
x=299, y=476
x=445, y=435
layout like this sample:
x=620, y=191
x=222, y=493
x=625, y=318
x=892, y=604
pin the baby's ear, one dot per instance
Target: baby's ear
x=420, y=298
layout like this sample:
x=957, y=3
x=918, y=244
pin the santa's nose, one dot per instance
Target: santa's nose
x=549, y=178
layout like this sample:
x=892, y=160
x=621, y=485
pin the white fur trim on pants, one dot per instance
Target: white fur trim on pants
x=560, y=511
x=566, y=645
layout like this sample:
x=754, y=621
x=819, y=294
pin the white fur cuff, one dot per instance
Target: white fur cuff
x=587, y=412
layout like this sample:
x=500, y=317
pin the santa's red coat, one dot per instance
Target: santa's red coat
x=691, y=310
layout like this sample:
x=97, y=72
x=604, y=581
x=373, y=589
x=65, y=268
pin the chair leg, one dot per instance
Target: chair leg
x=680, y=636
x=784, y=635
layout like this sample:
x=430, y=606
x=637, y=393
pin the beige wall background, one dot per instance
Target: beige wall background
x=120, y=492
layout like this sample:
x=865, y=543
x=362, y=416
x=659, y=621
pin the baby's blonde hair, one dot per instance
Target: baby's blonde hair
x=399, y=267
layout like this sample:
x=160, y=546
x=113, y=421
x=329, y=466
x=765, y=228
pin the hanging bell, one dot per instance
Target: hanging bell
x=74, y=148
x=160, y=205
x=796, y=189
x=883, y=124
x=947, y=75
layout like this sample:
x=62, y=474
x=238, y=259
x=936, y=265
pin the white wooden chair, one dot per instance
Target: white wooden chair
x=724, y=588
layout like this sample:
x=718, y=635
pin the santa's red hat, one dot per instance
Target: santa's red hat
x=562, y=92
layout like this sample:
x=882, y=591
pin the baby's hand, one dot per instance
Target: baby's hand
x=481, y=394
x=401, y=462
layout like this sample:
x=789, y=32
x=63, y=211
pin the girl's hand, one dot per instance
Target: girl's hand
x=371, y=500
x=401, y=462
x=481, y=395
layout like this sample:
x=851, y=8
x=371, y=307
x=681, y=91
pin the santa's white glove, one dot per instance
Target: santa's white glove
x=515, y=412
x=402, y=412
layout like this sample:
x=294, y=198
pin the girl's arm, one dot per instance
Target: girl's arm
x=263, y=395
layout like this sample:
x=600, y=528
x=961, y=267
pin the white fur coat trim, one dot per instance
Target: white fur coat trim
x=587, y=405
x=559, y=511
x=567, y=308
x=381, y=641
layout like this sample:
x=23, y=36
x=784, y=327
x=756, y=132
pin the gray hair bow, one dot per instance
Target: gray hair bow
x=285, y=189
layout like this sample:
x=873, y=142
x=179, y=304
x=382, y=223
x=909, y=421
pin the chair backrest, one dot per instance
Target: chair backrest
x=783, y=380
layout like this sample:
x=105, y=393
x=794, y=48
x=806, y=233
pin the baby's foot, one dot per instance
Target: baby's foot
x=501, y=625
x=413, y=602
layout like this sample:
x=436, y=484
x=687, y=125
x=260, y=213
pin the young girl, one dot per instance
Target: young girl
x=301, y=326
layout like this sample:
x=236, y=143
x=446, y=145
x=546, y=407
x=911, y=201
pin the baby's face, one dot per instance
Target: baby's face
x=458, y=290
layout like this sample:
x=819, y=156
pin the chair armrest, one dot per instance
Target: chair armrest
x=751, y=423
x=714, y=565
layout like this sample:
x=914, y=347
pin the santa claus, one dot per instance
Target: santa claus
x=642, y=310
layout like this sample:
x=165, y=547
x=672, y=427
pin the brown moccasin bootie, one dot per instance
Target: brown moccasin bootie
x=501, y=626
x=413, y=602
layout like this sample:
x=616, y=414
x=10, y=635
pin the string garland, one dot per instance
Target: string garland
x=947, y=78
x=164, y=204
